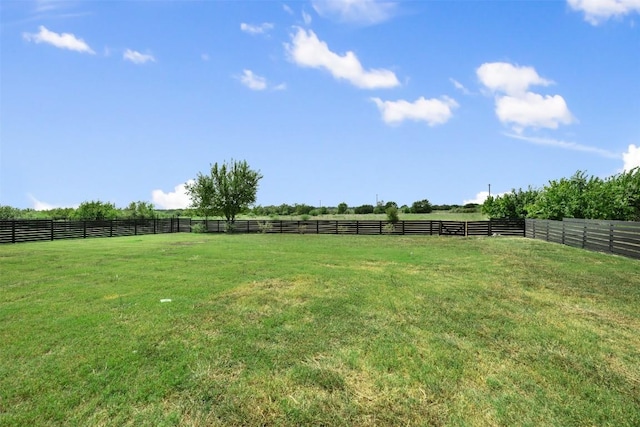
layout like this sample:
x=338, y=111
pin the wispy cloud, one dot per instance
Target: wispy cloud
x=137, y=57
x=256, y=29
x=432, y=111
x=252, y=80
x=566, y=145
x=365, y=12
x=306, y=50
x=459, y=86
x=39, y=205
x=258, y=83
x=176, y=199
x=60, y=40
x=598, y=11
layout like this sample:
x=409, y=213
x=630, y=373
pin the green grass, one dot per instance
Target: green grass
x=317, y=330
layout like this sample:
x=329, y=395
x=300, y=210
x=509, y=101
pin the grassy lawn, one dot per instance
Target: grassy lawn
x=317, y=330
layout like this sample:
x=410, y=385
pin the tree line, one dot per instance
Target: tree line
x=580, y=196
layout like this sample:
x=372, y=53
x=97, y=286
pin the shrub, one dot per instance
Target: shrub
x=392, y=214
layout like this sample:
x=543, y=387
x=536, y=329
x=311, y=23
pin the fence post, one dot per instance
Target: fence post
x=111, y=227
x=380, y=227
x=610, y=237
x=357, y=227
x=13, y=231
x=135, y=227
x=51, y=230
x=84, y=229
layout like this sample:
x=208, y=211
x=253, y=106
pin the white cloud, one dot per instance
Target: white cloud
x=253, y=81
x=39, y=205
x=433, y=111
x=566, y=145
x=137, y=57
x=460, y=86
x=306, y=18
x=176, y=199
x=62, y=41
x=533, y=110
x=481, y=197
x=256, y=29
x=508, y=78
x=631, y=158
x=515, y=104
x=307, y=50
x=356, y=11
x=598, y=11
x=287, y=9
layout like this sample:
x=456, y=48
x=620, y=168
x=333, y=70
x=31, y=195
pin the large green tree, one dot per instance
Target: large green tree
x=226, y=190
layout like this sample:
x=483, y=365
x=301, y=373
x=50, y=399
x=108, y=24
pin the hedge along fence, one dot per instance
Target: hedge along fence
x=15, y=231
x=615, y=237
x=413, y=227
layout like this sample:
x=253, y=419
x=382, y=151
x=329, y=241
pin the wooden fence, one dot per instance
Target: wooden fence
x=15, y=231
x=615, y=237
x=411, y=227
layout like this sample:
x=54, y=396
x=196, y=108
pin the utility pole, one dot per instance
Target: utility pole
x=489, y=190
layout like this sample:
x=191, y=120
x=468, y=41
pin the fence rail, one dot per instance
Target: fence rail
x=615, y=237
x=411, y=227
x=15, y=231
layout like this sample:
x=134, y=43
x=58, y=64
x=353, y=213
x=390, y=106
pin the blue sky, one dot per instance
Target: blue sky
x=333, y=101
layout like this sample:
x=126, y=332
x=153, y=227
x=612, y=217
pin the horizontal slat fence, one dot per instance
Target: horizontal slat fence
x=16, y=231
x=615, y=237
x=371, y=227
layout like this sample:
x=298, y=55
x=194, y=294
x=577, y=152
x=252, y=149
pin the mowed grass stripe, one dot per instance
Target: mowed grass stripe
x=317, y=330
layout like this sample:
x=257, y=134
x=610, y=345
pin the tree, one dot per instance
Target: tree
x=96, y=210
x=227, y=190
x=342, y=208
x=140, y=210
x=421, y=206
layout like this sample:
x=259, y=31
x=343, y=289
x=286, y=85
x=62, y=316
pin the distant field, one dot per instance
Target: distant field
x=433, y=216
x=317, y=330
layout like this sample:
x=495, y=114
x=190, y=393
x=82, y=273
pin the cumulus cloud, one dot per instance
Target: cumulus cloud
x=61, y=41
x=508, y=78
x=306, y=50
x=256, y=29
x=137, y=57
x=253, y=81
x=598, y=11
x=533, y=110
x=432, y=111
x=631, y=158
x=176, y=199
x=366, y=12
x=515, y=104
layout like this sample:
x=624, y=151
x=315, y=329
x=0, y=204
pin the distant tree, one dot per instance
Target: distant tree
x=342, y=208
x=227, y=190
x=140, y=210
x=364, y=209
x=8, y=212
x=421, y=206
x=96, y=210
